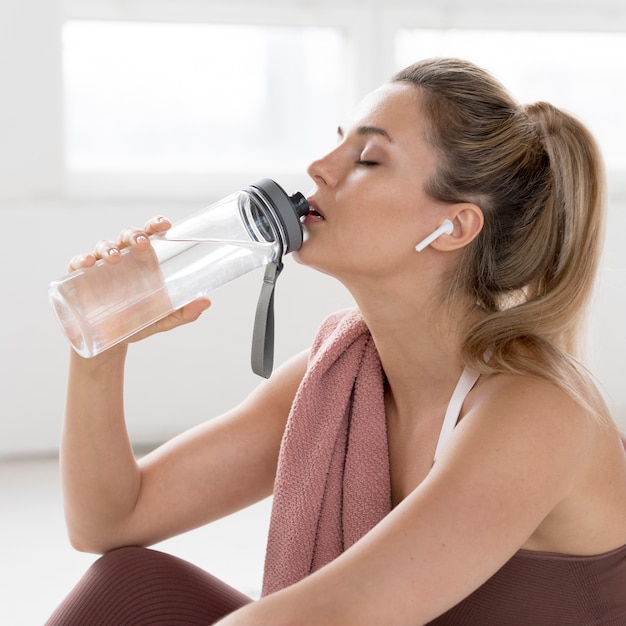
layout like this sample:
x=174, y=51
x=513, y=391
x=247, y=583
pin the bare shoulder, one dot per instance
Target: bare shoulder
x=536, y=408
x=536, y=416
x=523, y=390
x=528, y=407
x=519, y=434
x=573, y=457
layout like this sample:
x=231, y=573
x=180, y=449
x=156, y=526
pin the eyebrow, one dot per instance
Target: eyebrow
x=369, y=130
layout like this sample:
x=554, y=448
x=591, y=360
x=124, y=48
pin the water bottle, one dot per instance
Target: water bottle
x=101, y=306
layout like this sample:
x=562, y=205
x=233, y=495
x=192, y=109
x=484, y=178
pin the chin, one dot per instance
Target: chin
x=303, y=254
x=305, y=257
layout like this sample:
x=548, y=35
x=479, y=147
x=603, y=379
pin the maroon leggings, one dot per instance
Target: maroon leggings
x=137, y=587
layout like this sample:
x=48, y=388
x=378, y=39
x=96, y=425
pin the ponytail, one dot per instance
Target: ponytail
x=537, y=175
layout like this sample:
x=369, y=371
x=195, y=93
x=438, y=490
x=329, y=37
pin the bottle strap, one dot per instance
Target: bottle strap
x=262, y=357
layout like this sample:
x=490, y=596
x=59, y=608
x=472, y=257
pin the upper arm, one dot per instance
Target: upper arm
x=217, y=467
x=509, y=462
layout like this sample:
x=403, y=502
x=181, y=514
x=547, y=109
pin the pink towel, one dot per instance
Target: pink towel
x=332, y=484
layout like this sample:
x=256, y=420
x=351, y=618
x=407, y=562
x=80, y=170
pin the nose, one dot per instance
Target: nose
x=324, y=170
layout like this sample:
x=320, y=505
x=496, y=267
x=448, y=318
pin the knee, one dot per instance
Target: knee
x=133, y=563
x=121, y=559
x=134, y=581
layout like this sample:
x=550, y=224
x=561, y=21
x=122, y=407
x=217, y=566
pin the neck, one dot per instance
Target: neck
x=419, y=343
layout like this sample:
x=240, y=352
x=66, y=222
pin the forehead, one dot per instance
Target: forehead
x=392, y=106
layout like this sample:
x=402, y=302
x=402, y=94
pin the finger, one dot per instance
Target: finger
x=81, y=261
x=157, y=224
x=107, y=250
x=192, y=311
x=133, y=238
x=189, y=313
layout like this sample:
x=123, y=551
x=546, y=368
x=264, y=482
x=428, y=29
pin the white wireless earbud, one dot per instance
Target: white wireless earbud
x=446, y=228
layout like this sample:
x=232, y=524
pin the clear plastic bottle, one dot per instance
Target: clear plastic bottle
x=100, y=306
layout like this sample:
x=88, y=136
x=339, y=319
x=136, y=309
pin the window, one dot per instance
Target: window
x=155, y=97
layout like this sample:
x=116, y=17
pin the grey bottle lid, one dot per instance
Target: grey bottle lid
x=288, y=210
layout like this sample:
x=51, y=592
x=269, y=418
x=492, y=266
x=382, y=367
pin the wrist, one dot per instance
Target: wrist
x=112, y=357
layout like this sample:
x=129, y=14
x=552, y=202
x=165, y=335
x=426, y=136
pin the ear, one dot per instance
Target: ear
x=467, y=220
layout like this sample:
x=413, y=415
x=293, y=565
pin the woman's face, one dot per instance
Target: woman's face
x=370, y=209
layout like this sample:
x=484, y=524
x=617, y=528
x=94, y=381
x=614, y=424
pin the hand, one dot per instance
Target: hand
x=139, y=240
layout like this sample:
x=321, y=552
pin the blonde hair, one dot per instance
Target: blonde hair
x=536, y=173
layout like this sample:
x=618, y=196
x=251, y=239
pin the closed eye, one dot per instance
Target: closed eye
x=366, y=163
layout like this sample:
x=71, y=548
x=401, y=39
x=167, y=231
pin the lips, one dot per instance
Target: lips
x=314, y=212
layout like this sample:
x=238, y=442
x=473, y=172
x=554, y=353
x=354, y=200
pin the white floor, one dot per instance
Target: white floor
x=38, y=567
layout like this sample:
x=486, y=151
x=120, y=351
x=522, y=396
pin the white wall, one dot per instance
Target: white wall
x=181, y=378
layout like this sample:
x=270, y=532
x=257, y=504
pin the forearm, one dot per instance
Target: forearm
x=100, y=477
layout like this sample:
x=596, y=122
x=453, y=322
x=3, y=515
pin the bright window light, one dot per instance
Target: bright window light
x=581, y=72
x=189, y=97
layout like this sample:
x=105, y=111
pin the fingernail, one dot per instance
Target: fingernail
x=113, y=252
x=141, y=239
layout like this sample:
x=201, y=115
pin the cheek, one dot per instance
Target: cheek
x=383, y=243
x=397, y=225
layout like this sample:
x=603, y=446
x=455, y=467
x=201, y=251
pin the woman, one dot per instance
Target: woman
x=439, y=457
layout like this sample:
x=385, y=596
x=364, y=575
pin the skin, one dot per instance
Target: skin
x=525, y=468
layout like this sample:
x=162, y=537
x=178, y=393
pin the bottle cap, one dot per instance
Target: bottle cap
x=287, y=210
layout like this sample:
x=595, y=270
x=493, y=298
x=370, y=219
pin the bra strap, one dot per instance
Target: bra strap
x=463, y=387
